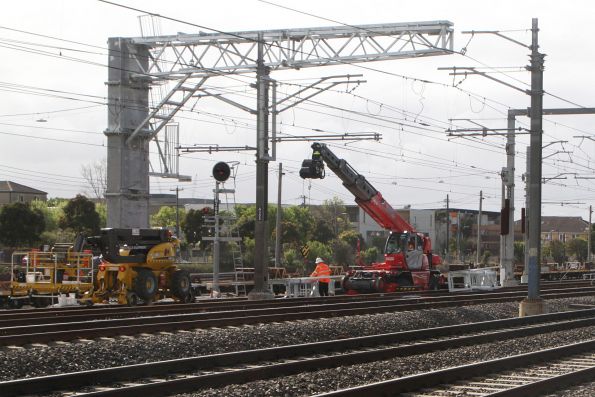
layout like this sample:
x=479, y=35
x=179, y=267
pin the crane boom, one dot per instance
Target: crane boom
x=408, y=259
x=366, y=196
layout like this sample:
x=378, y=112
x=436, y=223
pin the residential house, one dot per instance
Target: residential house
x=563, y=228
x=12, y=192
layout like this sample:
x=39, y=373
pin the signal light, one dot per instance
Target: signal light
x=221, y=171
x=122, y=269
x=523, y=220
x=504, y=218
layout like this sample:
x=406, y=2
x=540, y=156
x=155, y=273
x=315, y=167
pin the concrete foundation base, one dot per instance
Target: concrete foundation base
x=260, y=295
x=510, y=283
x=524, y=279
x=532, y=307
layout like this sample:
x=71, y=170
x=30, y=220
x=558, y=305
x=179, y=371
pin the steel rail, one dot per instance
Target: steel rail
x=413, y=383
x=69, y=315
x=44, y=333
x=248, y=365
x=224, y=304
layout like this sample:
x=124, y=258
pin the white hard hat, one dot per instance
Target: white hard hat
x=318, y=260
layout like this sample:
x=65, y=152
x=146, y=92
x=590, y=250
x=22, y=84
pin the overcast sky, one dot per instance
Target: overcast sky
x=53, y=100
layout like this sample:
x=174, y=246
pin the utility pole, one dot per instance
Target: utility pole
x=479, y=228
x=525, y=276
x=177, y=190
x=447, y=229
x=507, y=240
x=260, y=291
x=303, y=197
x=215, y=292
x=278, y=224
x=589, y=235
x=533, y=304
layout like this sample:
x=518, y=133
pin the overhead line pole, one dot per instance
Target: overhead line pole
x=533, y=304
x=278, y=221
x=589, y=235
x=260, y=290
x=447, y=229
x=479, y=229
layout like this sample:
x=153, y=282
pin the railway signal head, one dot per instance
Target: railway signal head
x=221, y=171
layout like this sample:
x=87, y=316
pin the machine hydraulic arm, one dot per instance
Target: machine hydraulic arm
x=366, y=196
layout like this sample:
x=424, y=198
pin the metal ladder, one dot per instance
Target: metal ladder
x=235, y=246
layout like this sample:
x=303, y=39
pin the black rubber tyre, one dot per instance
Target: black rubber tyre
x=190, y=297
x=145, y=284
x=434, y=285
x=15, y=303
x=404, y=281
x=180, y=284
x=131, y=299
x=40, y=303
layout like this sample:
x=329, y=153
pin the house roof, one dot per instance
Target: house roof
x=565, y=224
x=9, y=186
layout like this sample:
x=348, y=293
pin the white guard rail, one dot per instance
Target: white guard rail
x=300, y=287
x=484, y=279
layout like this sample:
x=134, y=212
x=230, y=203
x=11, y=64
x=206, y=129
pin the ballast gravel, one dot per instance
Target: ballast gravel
x=60, y=358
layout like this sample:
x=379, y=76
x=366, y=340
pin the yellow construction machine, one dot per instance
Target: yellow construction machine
x=138, y=267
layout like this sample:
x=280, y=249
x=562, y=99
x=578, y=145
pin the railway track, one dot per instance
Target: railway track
x=527, y=375
x=189, y=374
x=111, y=311
x=46, y=329
x=55, y=315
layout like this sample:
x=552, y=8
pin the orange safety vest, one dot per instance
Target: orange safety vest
x=322, y=269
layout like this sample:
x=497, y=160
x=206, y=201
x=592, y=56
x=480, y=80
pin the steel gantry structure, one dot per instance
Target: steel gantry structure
x=182, y=63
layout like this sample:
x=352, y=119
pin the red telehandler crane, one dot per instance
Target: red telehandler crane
x=408, y=259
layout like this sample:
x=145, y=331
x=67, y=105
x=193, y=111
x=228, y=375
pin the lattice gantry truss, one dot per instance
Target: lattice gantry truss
x=207, y=54
x=151, y=78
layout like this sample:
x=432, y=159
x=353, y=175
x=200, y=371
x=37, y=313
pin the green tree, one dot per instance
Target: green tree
x=52, y=214
x=323, y=231
x=245, y=220
x=319, y=250
x=294, y=261
x=298, y=225
x=80, y=216
x=378, y=242
x=192, y=226
x=101, y=209
x=343, y=253
x=351, y=237
x=557, y=251
x=20, y=225
x=371, y=255
x=486, y=257
x=519, y=252
x=166, y=217
x=334, y=214
x=578, y=248
x=248, y=253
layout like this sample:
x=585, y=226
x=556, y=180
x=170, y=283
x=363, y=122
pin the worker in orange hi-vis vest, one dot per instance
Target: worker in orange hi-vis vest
x=322, y=270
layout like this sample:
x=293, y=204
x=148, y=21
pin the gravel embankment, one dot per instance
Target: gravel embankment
x=584, y=390
x=38, y=361
x=311, y=383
